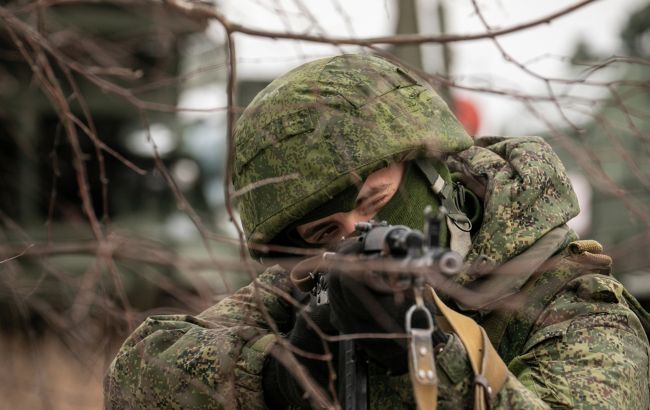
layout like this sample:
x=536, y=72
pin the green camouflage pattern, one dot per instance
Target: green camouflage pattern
x=528, y=193
x=587, y=350
x=511, y=323
x=321, y=127
x=210, y=361
x=527, y=199
x=580, y=347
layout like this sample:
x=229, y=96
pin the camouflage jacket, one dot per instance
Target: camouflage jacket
x=569, y=335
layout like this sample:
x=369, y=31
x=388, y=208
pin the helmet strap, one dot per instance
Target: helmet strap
x=451, y=197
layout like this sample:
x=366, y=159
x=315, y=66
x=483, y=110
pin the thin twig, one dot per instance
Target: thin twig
x=206, y=11
x=31, y=245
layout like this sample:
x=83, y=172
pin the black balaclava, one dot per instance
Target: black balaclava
x=343, y=202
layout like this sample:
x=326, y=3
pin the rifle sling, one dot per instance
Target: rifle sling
x=490, y=371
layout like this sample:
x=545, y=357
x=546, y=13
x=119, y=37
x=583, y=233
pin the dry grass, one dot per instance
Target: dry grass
x=45, y=373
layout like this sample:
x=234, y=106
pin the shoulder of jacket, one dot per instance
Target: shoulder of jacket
x=586, y=301
x=596, y=288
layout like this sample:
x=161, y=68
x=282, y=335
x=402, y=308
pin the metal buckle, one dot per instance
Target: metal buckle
x=483, y=382
x=421, y=344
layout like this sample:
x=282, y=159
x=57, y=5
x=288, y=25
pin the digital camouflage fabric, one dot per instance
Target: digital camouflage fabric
x=527, y=194
x=210, y=361
x=326, y=125
x=527, y=198
x=567, y=334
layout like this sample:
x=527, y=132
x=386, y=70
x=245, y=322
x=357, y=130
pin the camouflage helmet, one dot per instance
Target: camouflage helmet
x=326, y=125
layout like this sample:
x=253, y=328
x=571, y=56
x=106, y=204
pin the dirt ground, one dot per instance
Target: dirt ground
x=46, y=373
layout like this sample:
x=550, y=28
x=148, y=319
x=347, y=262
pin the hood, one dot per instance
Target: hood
x=527, y=199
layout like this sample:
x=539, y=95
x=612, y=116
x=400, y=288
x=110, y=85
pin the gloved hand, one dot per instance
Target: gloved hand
x=280, y=387
x=356, y=308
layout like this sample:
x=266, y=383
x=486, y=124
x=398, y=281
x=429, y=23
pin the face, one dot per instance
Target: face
x=377, y=190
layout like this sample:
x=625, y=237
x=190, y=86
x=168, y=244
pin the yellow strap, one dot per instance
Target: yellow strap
x=426, y=395
x=262, y=344
x=489, y=370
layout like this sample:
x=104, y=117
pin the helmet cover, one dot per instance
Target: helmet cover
x=326, y=125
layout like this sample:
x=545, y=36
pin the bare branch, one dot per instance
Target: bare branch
x=205, y=11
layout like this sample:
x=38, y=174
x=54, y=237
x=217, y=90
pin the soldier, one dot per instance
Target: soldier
x=352, y=138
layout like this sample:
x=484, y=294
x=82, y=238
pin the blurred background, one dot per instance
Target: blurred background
x=114, y=146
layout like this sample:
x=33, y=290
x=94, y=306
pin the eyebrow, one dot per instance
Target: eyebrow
x=371, y=192
x=357, y=203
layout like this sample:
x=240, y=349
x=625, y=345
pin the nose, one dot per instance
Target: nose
x=348, y=222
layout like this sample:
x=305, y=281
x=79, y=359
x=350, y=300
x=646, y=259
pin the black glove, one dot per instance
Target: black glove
x=356, y=308
x=280, y=387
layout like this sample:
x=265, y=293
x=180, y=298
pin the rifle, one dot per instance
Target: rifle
x=415, y=253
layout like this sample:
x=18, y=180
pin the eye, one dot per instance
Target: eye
x=326, y=234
